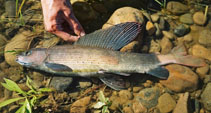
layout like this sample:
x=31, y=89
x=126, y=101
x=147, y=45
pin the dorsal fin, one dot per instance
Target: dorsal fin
x=113, y=38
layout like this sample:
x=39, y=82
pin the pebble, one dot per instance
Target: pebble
x=150, y=28
x=199, y=18
x=154, y=47
x=85, y=83
x=181, y=30
x=206, y=98
x=176, y=7
x=155, y=17
x=148, y=97
x=61, y=83
x=188, y=38
x=166, y=103
x=158, y=31
x=19, y=42
x=182, y=104
x=162, y=23
x=131, y=47
x=136, y=89
x=202, y=71
x=125, y=94
x=81, y=105
x=138, y=107
x=3, y=41
x=200, y=51
x=168, y=35
x=186, y=18
x=166, y=45
x=204, y=37
x=181, y=79
x=4, y=65
x=207, y=79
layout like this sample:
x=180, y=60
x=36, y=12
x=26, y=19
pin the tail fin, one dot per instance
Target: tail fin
x=181, y=57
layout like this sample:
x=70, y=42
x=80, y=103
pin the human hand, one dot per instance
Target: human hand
x=60, y=20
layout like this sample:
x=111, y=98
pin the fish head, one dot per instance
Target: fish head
x=32, y=58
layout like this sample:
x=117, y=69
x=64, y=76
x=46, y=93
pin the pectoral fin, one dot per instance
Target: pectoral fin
x=57, y=67
x=115, y=82
x=159, y=72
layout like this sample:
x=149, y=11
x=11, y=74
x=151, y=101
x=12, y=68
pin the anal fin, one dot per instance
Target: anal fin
x=159, y=72
x=115, y=82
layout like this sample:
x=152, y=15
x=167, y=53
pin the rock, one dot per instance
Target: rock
x=202, y=71
x=199, y=18
x=150, y=28
x=181, y=30
x=3, y=41
x=162, y=23
x=61, y=83
x=206, y=98
x=155, y=17
x=138, y=107
x=85, y=83
x=136, y=89
x=127, y=109
x=38, y=79
x=48, y=41
x=158, y=31
x=200, y=51
x=207, y=79
x=83, y=8
x=125, y=14
x=4, y=65
x=125, y=94
x=204, y=37
x=81, y=105
x=188, y=38
x=166, y=45
x=131, y=47
x=166, y=103
x=20, y=42
x=186, y=18
x=181, y=79
x=154, y=47
x=176, y=7
x=182, y=104
x=168, y=35
x=148, y=97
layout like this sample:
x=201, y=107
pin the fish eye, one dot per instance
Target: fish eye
x=27, y=53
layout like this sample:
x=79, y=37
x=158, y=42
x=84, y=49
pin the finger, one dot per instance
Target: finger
x=66, y=36
x=74, y=23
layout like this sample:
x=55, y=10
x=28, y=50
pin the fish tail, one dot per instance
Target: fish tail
x=181, y=57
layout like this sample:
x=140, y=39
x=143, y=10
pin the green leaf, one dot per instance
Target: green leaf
x=33, y=100
x=22, y=109
x=28, y=106
x=6, y=86
x=13, y=86
x=6, y=102
x=102, y=97
x=105, y=109
x=99, y=105
x=45, y=90
x=28, y=83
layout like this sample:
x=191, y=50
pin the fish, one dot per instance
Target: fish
x=96, y=55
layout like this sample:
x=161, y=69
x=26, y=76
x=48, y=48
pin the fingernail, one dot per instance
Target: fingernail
x=82, y=33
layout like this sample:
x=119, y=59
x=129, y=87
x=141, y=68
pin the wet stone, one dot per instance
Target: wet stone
x=166, y=103
x=81, y=105
x=206, y=98
x=148, y=97
x=182, y=104
x=186, y=19
x=155, y=17
x=154, y=47
x=204, y=37
x=168, y=35
x=85, y=83
x=181, y=79
x=176, y=7
x=3, y=41
x=199, y=18
x=202, y=71
x=181, y=30
x=166, y=45
x=158, y=31
x=150, y=28
x=61, y=83
x=125, y=94
x=162, y=23
x=201, y=51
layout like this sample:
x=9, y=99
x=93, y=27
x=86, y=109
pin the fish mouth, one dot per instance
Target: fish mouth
x=23, y=63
